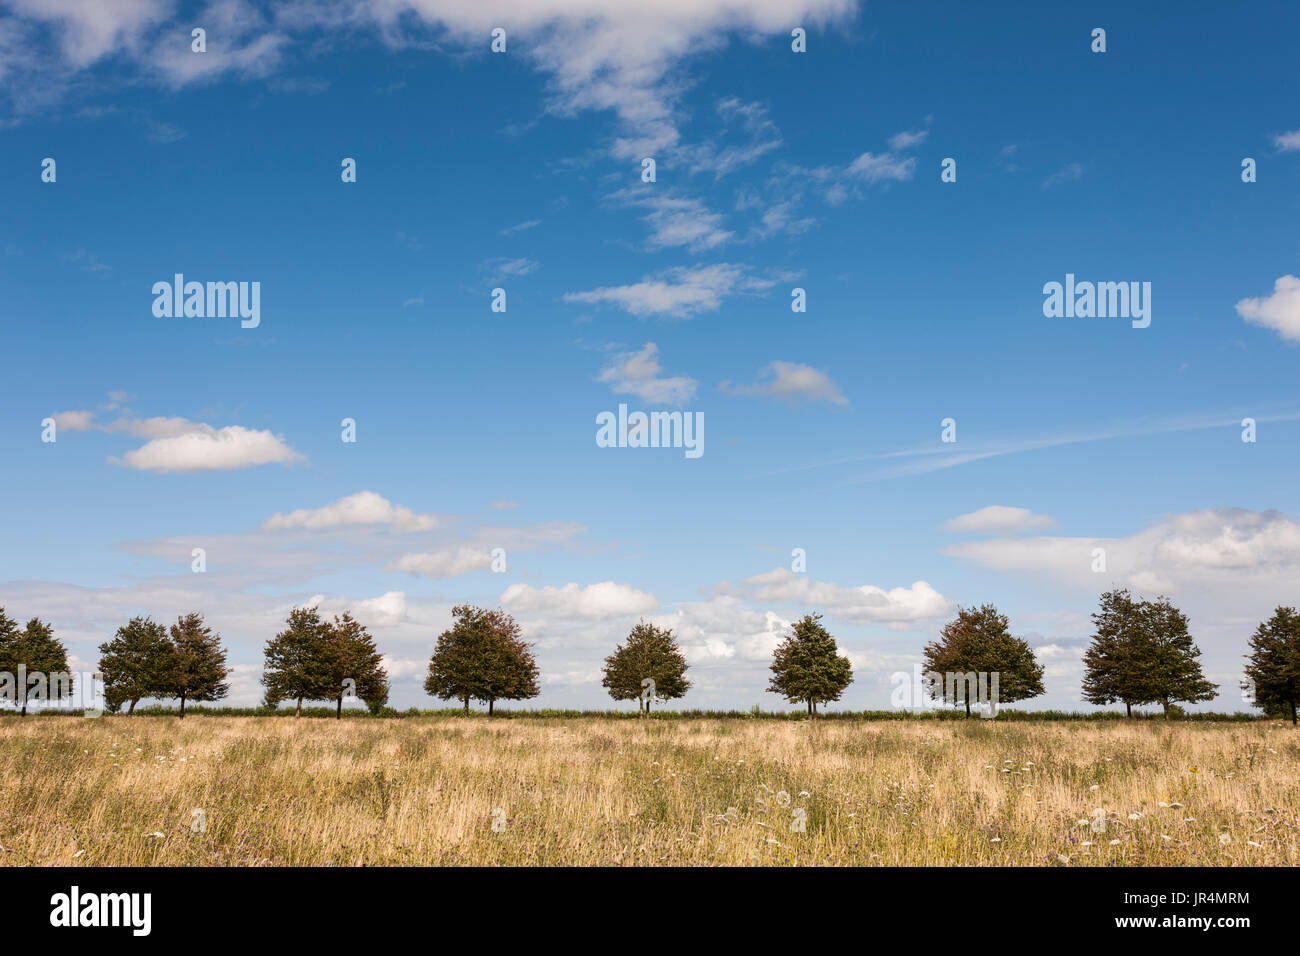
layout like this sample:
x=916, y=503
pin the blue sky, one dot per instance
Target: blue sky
x=775, y=170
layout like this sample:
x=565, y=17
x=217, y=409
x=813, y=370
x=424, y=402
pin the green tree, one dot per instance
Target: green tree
x=194, y=667
x=34, y=662
x=354, y=657
x=979, y=641
x=1274, y=663
x=298, y=663
x=650, y=653
x=132, y=662
x=1115, y=663
x=1169, y=657
x=482, y=657
x=807, y=665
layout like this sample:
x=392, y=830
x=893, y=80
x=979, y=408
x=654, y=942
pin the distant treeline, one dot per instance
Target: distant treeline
x=388, y=713
x=1142, y=653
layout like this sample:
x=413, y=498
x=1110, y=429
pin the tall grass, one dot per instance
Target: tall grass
x=588, y=791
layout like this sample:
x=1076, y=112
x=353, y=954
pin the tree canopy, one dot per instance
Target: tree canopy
x=651, y=653
x=482, y=656
x=807, y=665
x=979, y=642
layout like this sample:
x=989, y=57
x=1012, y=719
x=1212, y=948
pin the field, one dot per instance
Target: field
x=588, y=791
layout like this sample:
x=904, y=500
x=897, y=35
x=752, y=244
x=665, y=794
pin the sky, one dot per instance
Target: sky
x=775, y=170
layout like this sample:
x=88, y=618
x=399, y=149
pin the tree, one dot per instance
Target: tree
x=650, y=652
x=1114, y=662
x=354, y=657
x=1169, y=656
x=33, y=652
x=1274, y=663
x=807, y=665
x=132, y=662
x=298, y=661
x=979, y=642
x=482, y=657
x=194, y=667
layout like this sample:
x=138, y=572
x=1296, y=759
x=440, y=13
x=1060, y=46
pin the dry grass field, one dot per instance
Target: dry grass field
x=306, y=792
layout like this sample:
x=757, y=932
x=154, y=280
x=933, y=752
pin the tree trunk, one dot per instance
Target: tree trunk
x=490, y=703
x=466, y=706
x=1165, y=704
x=182, y=706
x=24, y=712
x=968, y=705
x=809, y=706
x=338, y=714
x=1292, y=713
x=1129, y=707
x=131, y=709
x=298, y=712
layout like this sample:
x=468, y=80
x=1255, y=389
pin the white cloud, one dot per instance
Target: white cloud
x=204, y=448
x=593, y=602
x=677, y=292
x=675, y=221
x=866, y=603
x=384, y=611
x=623, y=58
x=180, y=445
x=91, y=31
x=998, y=519
x=907, y=139
x=1287, y=142
x=874, y=168
x=446, y=564
x=1215, y=547
x=78, y=421
x=1279, y=311
x=792, y=381
x=362, y=508
x=637, y=373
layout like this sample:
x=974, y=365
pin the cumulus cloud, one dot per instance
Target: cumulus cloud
x=179, y=445
x=362, y=508
x=204, y=448
x=999, y=519
x=593, y=602
x=791, y=381
x=863, y=604
x=1214, y=547
x=449, y=563
x=1279, y=311
x=679, y=292
x=638, y=373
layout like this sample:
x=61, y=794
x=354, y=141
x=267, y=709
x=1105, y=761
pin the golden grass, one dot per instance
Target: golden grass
x=305, y=792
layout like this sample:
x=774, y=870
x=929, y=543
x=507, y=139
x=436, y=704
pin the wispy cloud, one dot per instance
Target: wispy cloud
x=679, y=292
x=638, y=373
x=791, y=381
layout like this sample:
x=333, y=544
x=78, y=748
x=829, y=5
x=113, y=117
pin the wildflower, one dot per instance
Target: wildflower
x=1225, y=839
x=1114, y=842
x=1095, y=787
x=1135, y=816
